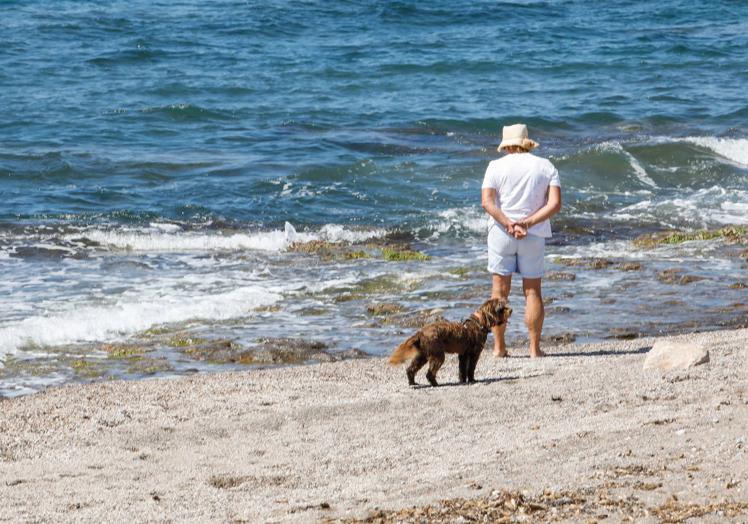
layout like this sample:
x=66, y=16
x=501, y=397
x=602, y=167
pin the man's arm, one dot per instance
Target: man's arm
x=488, y=201
x=551, y=207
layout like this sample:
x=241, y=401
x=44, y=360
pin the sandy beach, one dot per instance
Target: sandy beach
x=583, y=435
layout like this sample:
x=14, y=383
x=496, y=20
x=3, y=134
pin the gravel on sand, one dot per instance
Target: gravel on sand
x=582, y=435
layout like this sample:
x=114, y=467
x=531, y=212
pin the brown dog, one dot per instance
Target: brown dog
x=466, y=339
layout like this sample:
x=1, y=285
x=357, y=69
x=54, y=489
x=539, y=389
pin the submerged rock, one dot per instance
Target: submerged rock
x=416, y=319
x=675, y=276
x=295, y=351
x=732, y=234
x=560, y=275
x=562, y=338
x=269, y=351
x=125, y=350
x=667, y=354
x=384, y=309
x=87, y=368
x=589, y=263
x=148, y=366
x=403, y=255
x=629, y=266
x=328, y=251
x=215, y=351
x=623, y=333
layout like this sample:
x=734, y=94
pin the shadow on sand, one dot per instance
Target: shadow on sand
x=483, y=381
x=599, y=353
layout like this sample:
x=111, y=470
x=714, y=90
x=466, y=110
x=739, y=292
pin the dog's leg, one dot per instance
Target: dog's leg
x=416, y=364
x=463, y=367
x=472, y=362
x=435, y=362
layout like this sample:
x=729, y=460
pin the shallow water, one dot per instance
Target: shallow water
x=158, y=159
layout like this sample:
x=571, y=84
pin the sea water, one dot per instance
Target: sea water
x=158, y=159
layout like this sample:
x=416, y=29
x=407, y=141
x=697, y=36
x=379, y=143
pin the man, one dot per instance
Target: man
x=520, y=192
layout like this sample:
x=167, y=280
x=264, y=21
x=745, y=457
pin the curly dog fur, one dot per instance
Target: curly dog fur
x=465, y=338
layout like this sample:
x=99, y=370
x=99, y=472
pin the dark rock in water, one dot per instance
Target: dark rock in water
x=731, y=234
x=560, y=275
x=674, y=276
x=416, y=319
x=733, y=308
x=269, y=351
x=608, y=301
x=674, y=303
x=599, y=263
x=589, y=263
x=148, y=366
x=125, y=350
x=287, y=351
x=328, y=251
x=738, y=285
x=629, y=266
x=559, y=310
x=297, y=351
x=562, y=338
x=384, y=309
x=215, y=351
x=350, y=354
x=548, y=300
x=623, y=333
x=403, y=255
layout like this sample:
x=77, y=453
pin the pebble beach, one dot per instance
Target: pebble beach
x=583, y=435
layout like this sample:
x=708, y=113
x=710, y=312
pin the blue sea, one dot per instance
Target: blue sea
x=161, y=161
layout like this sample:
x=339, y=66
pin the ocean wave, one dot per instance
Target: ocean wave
x=164, y=238
x=639, y=171
x=107, y=322
x=471, y=220
x=735, y=149
x=707, y=207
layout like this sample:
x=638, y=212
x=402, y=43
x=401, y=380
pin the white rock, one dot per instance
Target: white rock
x=666, y=354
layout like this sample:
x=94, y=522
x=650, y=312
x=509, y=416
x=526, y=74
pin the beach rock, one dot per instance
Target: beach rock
x=562, y=338
x=417, y=319
x=328, y=251
x=623, y=333
x=384, y=309
x=296, y=351
x=589, y=263
x=629, y=266
x=287, y=351
x=560, y=275
x=674, y=276
x=667, y=354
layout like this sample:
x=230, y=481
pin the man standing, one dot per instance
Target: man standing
x=521, y=192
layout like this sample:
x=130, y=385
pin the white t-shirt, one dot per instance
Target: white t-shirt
x=521, y=181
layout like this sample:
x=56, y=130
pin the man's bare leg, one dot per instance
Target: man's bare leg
x=534, y=314
x=500, y=287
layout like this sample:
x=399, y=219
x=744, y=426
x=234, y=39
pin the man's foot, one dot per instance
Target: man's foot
x=537, y=353
x=500, y=353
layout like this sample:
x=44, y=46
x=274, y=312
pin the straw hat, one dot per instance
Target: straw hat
x=516, y=135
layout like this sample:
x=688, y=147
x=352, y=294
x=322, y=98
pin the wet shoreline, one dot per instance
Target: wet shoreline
x=662, y=283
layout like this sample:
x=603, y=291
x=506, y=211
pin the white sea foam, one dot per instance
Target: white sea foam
x=471, y=219
x=735, y=149
x=89, y=323
x=170, y=241
x=701, y=208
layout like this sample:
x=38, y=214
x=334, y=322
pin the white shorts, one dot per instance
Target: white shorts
x=507, y=255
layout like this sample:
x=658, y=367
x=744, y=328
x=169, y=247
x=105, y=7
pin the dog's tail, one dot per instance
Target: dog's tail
x=405, y=350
